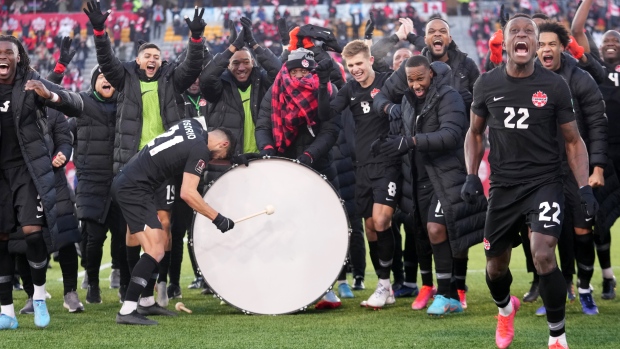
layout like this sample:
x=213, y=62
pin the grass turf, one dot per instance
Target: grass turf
x=218, y=326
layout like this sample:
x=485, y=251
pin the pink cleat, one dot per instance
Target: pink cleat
x=425, y=295
x=505, y=332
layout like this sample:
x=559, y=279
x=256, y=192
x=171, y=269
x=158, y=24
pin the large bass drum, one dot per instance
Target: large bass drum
x=279, y=263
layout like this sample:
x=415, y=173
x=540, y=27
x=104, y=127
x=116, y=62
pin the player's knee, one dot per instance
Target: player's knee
x=157, y=252
x=436, y=233
x=544, y=260
x=582, y=231
x=382, y=222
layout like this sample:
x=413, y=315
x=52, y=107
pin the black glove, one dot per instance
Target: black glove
x=197, y=24
x=96, y=18
x=285, y=38
x=412, y=38
x=268, y=152
x=248, y=36
x=332, y=45
x=238, y=42
x=376, y=145
x=323, y=70
x=66, y=53
x=223, y=224
x=503, y=17
x=395, y=144
x=588, y=201
x=370, y=27
x=305, y=159
x=471, y=189
x=233, y=32
x=244, y=158
x=395, y=118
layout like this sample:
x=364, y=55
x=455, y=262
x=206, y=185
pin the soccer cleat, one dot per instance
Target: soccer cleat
x=425, y=295
x=84, y=285
x=162, y=294
x=542, y=311
x=344, y=291
x=379, y=298
x=41, y=315
x=329, y=301
x=115, y=278
x=558, y=345
x=197, y=283
x=505, y=332
x=7, y=322
x=570, y=292
x=174, y=291
x=16, y=285
x=587, y=304
x=456, y=306
x=72, y=302
x=609, y=288
x=462, y=298
x=134, y=318
x=93, y=295
x=406, y=291
x=439, y=307
x=532, y=294
x=155, y=309
x=28, y=308
x=358, y=284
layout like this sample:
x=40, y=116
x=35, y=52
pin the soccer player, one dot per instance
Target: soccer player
x=525, y=106
x=184, y=149
x=28, y=197
x=377, y=177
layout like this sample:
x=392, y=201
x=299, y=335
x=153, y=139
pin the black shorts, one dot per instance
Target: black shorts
x=376, y=184
x=137, y=202
x=165, y=195
x=573, y=203
x=540, y=204
x=428, y=205
x=20, y=204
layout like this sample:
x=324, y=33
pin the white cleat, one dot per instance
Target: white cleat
x=381, y=297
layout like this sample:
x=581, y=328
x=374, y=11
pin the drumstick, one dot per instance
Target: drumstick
x=180, y=306
x=269, y=209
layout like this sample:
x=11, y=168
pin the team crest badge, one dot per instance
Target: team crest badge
x=618, y=68
x=202, y=102
x=200, y=166
x=539, y=99
x=305, y=63
x=486, y=243
x=374, y=92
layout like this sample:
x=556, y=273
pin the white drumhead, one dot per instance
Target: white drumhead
x=279, y=263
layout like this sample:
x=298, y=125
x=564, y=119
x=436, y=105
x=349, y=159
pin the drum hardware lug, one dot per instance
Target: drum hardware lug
x=324, y=177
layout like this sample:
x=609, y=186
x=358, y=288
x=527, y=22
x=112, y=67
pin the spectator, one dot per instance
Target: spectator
x=158, y=20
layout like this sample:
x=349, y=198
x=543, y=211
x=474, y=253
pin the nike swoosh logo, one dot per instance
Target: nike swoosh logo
x=438, y=215
x=245, y=100
x=39, y=216
x=549, y=225
x=169, y=202
x=145, y=92
x=352, y=98
x=588, y=219
x=495, y=99
x=388, y=199
x=326, y=32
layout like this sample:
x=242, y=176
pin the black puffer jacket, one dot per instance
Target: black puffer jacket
x=219, y=88
x=318, y=145
x=464, y=73
x=172, y=80
x=439, y=134
x=343, y=158
x=29, y=115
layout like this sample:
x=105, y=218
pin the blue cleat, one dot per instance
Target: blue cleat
x=587, y=304
x=440, y=306
x=406, y=291
x=344, y=290
x=7, y=322
x=456, y=306
x=542, y=311
x=41, y=315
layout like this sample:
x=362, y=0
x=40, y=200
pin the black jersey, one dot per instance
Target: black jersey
x=610, y=89
x=183, y=148
x=523, y=116
x=368, y=124
x=10, y=153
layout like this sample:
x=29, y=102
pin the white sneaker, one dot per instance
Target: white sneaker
x=162, y=294
x=381, y=297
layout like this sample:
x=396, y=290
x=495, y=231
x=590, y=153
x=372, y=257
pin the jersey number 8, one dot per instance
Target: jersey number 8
x=511, y=114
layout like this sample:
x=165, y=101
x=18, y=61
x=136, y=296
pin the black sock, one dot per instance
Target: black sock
x=133, y=256
x=443, y=267
x=164, y=264
x=150, y=286
x=425, y=257
x=584, y=255
x=7, y=269
x=140, y=277
x=24, y=273
x=374, y=254
x=460, y=272
x=36, y=252
x=176, y=258
x=500, y=288
x=604, y=255
x=68, y=259
x=385, y=253
x=410, y=258
x=553, y=294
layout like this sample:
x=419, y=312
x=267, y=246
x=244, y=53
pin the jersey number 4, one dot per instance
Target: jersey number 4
x=167, y=144
x=511, y=114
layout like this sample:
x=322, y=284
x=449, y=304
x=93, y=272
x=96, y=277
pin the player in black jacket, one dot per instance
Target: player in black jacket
x=184, y=149
x=377, y=177
x=523, y=104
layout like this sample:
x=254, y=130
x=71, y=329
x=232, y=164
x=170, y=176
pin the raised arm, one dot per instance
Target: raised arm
x=578, y=26
x=186, y=73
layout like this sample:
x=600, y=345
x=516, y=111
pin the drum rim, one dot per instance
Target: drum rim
x=208, y=186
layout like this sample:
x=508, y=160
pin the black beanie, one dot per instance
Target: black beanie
x=94, y=74
x=300, y=58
